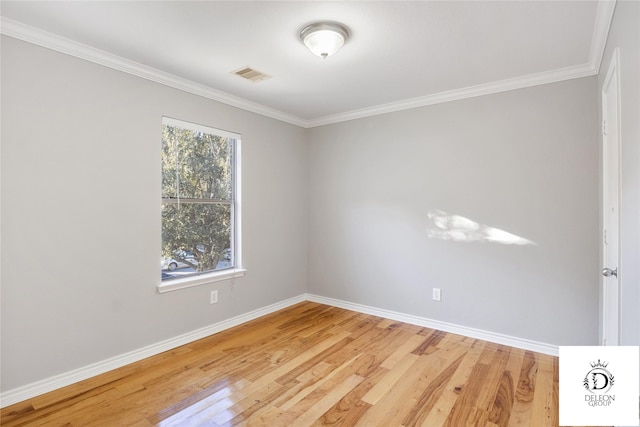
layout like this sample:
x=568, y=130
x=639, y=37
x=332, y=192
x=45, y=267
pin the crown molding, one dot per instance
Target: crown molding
x=604, y=15
x=554, y=76
x=64, y=45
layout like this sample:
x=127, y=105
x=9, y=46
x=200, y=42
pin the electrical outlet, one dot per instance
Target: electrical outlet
x=436, y=294
x=214, y=297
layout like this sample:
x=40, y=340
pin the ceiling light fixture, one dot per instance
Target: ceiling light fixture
x=324, y=38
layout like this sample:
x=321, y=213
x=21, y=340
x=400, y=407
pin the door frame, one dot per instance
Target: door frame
x=612, y=77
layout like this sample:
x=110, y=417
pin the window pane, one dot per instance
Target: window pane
x=196, y=164
x=195, y=238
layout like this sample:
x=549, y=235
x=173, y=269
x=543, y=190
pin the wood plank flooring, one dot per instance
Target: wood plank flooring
x=312, y=365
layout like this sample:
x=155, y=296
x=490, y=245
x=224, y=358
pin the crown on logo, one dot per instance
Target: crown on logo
x=599, y=364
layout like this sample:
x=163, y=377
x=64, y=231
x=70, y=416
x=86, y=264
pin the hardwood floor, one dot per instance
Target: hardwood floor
x=312, y=364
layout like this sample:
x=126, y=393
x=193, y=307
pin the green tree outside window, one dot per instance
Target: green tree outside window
x=197, y=197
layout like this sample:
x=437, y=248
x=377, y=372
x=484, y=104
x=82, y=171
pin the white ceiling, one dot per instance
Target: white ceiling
x=400, y=54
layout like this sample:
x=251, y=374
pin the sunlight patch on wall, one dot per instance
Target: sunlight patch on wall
x=460, y=229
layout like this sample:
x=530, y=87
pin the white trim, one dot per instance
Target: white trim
x=604, y=16
x=39, y=37
x=42, y=38
x=612, y=77
x=494, y=337
x=554, y=76
x=58, y=381
x=236, y=241
x=204, y=279
x=170, y=121
x=236, y=217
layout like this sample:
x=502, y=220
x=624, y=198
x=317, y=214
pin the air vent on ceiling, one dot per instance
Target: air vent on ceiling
x=251, y=74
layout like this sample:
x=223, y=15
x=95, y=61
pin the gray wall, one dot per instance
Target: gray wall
x=525, y=162
x=80, y=214
x=625, y=34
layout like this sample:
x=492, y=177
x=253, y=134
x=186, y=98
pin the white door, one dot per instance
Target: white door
x=611, y=195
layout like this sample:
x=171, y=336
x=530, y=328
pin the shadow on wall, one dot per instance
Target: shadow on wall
x=460, y=229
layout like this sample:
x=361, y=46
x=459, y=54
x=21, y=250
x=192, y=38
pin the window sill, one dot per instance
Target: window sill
x=204, y=279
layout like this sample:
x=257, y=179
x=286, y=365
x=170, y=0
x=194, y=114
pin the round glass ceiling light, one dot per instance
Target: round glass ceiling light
x=324, y=38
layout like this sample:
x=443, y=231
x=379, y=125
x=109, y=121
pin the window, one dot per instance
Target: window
x=200, y=205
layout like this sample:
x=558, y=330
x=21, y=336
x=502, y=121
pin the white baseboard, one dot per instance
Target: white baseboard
x=58, y=381
x=494, y=337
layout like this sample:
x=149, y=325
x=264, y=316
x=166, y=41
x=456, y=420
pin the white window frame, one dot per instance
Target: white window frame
x=236, y=239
